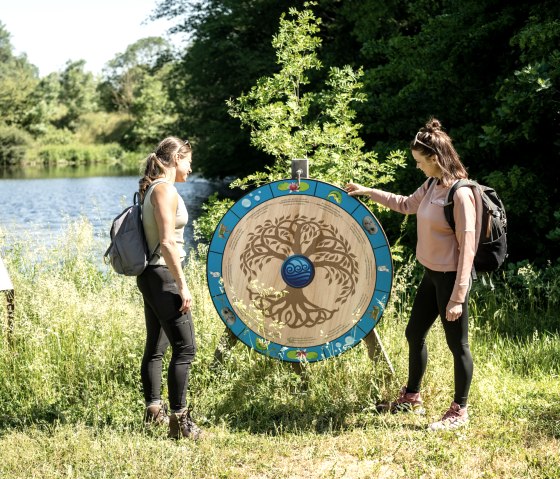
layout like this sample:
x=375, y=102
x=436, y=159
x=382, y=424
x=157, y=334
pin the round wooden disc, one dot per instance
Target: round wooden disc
x=299, y=272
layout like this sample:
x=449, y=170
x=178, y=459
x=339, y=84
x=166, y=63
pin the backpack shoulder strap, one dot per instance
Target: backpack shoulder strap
x=154, y=183
x=448, y=207
x=137, y=195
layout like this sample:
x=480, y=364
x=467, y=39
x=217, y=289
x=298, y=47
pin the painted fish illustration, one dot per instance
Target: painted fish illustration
x=336, y=196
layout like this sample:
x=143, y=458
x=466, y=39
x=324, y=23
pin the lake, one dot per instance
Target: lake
x=39, y=206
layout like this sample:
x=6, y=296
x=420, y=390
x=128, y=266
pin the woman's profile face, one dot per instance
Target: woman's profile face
x=183, y=168
x=427, y=164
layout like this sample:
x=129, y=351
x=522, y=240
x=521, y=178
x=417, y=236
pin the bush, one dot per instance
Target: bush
x=76, y=154
x=97, y=127
x=14, y=143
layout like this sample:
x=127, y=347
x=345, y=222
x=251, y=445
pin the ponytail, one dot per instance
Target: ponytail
x=161, y=159
x=154, y=169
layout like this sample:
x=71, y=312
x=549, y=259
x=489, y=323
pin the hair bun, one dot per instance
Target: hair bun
x=433, y=125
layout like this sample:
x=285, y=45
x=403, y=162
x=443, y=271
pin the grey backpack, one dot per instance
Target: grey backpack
x=128, y=252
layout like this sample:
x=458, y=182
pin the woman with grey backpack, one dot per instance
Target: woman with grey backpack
x=167, y=299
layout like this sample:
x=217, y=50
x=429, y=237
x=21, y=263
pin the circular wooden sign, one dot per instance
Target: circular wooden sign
x=299, y=272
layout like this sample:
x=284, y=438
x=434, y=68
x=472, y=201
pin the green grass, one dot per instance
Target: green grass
x=72, y=405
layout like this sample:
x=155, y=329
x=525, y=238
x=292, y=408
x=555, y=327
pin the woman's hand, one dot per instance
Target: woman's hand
x=186, y=300
x=453, y=311
x=354, y=189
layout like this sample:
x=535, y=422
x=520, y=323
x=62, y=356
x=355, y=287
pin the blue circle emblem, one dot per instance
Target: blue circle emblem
x=297, y=271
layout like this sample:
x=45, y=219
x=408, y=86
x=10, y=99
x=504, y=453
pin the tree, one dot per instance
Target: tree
x=153, y=114
x=124, y=74
x=78, y=92
x=288, y=119
x=488, y=69
x=18, y=80
x=230, y=47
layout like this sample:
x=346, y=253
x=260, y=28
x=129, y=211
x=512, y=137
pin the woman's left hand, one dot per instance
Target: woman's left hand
x=186, y=300
x=453, y=311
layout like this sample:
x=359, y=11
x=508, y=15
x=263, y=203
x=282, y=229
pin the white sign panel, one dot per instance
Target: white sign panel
x=5, y=282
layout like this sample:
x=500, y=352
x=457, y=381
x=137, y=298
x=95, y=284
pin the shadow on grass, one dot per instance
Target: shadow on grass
x=254, y=403
x=548, y=420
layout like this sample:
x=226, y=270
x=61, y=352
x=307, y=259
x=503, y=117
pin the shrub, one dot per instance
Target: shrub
x=98, y=127
x=14, y=143
x=76, y=154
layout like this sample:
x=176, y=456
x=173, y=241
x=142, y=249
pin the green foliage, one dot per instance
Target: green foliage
x=124, y=74
x=13, y=144
x=230, y=48
x=521, y=190
x=488, y=70
x=18, y=80
x=78, y=92
x=153, y=114
x=75, y=154
x=136, y=84
x=287, y=122
x=213, y=211
x=101, y=127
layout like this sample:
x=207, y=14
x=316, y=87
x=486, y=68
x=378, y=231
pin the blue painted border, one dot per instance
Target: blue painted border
x=356, y=209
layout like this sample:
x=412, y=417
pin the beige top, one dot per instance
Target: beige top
x=151, y=229
x=438, y=248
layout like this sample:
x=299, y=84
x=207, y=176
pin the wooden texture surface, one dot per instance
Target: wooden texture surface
x=299, y=228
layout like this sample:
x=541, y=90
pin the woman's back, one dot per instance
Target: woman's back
x=151, y=229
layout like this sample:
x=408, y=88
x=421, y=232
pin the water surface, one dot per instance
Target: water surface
x=39, y=209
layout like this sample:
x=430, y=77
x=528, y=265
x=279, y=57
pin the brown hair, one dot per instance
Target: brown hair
x=162, y=158
x=432, y=140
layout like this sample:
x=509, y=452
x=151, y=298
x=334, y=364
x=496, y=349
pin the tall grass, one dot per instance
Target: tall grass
x=72, y=404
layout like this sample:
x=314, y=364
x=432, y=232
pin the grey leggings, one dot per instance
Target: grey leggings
x=431, y=300
x=165, y=325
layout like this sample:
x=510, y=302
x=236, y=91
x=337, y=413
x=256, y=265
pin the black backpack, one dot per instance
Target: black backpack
x=492, y=244
x=128, y=252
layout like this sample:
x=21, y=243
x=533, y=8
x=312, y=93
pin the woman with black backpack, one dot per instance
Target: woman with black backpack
x=447, y=257
x=167, y=299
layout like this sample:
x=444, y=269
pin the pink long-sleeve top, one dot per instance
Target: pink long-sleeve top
x=438, y=248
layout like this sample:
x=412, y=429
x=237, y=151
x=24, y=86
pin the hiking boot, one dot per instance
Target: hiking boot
x=454, y=417
x=406, y=402
x=156, y=415
x=182, y=425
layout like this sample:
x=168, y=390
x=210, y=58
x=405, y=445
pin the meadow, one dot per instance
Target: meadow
x=71, y=404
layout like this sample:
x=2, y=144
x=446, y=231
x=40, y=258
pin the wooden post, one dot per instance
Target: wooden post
x=227, y=342
x=10, y=306
x=7, y=286
x=376, y=349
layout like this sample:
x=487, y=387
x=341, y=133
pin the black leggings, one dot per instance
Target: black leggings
x=431, y=300
x=165, y=325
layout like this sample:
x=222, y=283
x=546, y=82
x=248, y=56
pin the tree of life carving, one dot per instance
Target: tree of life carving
x=322, y=244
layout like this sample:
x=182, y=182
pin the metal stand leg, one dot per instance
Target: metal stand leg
x=376, y=349
x=227, y=342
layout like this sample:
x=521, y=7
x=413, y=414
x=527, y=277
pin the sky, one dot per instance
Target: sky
x=51, y=32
